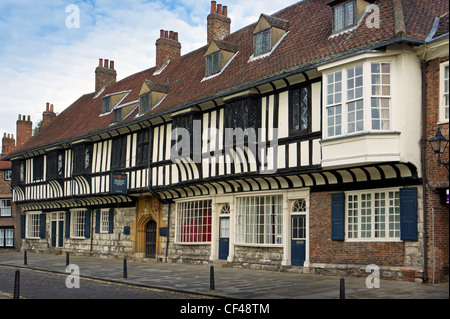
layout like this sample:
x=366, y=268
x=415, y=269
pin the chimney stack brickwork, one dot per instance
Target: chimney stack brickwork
x=8, y=144
x=167, y=48
x=219, y=25
x=48, y=115
x=24, y=128
x=105, y=74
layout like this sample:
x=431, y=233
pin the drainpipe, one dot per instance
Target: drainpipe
x=424, y=169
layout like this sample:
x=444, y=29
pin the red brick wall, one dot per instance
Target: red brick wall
x=435, y=174
x=325, y=250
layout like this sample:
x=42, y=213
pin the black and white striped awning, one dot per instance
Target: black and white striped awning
x=369, y=176
x=81, y=202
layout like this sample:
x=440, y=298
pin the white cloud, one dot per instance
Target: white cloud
x=41, y=60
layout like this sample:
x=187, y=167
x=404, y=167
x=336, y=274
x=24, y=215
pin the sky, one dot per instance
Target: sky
x=49, y=49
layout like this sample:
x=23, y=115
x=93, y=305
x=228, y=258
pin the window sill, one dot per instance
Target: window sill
x=381, y=240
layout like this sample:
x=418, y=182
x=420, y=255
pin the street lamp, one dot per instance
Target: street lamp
x=439, y=144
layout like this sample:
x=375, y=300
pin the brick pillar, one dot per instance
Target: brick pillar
x=218, y=22
x=24, y=128
x=105, y=75
x=167, y=48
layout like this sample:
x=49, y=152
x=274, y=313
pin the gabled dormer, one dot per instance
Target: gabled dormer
x=151, y=94
x=218, y=55
x=269, y=31
x=110, y=101
x=347, y=13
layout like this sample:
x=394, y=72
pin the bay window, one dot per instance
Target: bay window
x=358, y=99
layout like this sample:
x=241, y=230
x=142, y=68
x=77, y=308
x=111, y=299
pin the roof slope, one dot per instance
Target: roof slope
x=308, y=42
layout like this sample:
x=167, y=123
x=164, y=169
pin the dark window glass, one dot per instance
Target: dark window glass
x=38, y=168
x=119, y=152
x=300, y=110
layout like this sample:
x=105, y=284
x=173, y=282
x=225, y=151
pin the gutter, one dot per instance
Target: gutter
x=223, y=94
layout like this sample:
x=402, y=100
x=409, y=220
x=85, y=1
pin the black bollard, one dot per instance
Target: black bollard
x=17, y=285
x=212, y=285
x=125, y=270
x=342, y=289
x=25, y=260
x=67, y=259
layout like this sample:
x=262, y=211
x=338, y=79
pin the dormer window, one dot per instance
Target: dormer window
x=213, y=64
x=267, y=35
x=219, y=54
x=151, y=94
x=262, y=42
x=344, y=15
x=106, y=104
x=144, y=103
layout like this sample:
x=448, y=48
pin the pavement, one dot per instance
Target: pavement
x=230, y=283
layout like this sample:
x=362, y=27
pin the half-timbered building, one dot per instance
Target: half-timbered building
x=291, y=143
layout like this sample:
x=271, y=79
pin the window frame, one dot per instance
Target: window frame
x=54, y=171
x=297, y=131
x=213, y=63
x=104, y=221
x=8, y=174
x=442, y=107
x=198, y=211
x=145, y=100
x=260, y=50
x=3, y=236
x=344, y=16
x=33, y=225
x=142, y=147
x=371, y=91
x=76, y=219
x=350, y=230
x=38, y=168
x=106, y=104
x=4, y=207
x=82, y=164
x=119, y=152
x=268, y=233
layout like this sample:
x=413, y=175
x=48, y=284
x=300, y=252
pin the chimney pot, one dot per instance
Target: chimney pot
x=111, y=65
x=20, y=116
x=225, y=11
x=51, y=108
x=171, y=35
x=175, y=34
x=213, y=6
x=100, y=62
x=47, y=106
x=161, y=33
x=219, y=9
x=166, y=34
x=106, y=63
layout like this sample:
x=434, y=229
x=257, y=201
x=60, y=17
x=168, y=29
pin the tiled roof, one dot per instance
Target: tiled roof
x=309, y=42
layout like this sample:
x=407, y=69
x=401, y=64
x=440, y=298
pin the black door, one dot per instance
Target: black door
x=150, y=251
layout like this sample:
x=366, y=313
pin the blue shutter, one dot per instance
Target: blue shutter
x=42, y=226
x=67, y=232
x=87, y=224
x=97, y=221
x=23, y=219
x=111, y=220
x=408, y=214
x=337, y=216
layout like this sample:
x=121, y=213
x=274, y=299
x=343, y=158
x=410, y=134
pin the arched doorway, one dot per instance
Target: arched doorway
x=150, y=240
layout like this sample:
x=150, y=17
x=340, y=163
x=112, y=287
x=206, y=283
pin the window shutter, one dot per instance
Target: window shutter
x=111, y=220
x=67, y=232
x=42, y=226
x=23, y=219
x=87, y=224
x=337, y=216
x=97, y=221
x=408, y=213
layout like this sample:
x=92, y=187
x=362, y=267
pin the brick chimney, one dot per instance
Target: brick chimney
x=24, y=129
x=105, y=75
x=8, y=144
x=218, y=22
x=167, y=48
x=48, y=115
